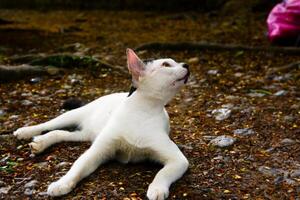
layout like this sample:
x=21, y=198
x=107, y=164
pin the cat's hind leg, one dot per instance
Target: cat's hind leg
x=70, y=118
x=41, y=142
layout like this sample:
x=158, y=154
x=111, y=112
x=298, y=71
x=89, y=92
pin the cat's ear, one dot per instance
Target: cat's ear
x=135, y=66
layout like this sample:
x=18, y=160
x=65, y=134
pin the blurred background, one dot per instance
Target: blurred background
x=56, y=55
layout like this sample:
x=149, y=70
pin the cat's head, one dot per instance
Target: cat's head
x=161, y=78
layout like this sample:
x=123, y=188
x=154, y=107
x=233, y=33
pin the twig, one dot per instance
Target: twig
x=285, y=68
x=16, y=72
x=41, y=64
x=192, y=46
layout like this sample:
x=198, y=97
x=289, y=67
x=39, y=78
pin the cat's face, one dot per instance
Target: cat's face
x=160, y=78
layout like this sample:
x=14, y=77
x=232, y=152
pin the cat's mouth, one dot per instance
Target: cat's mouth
x=185, y=77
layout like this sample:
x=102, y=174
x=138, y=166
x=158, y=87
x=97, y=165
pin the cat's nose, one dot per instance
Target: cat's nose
x=185, y=66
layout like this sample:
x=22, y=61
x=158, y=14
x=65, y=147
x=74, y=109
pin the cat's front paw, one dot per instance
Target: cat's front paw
x=26, y=132
x=38, y=144
x=157, y=192
x=59, y=188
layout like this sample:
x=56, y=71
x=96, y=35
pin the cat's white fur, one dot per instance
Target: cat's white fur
x=128, y=129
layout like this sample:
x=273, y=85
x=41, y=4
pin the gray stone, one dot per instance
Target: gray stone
x=35, y=80
x=278, y=180
x=223, y=141
x=212, y=72
x=221, y=113
x=43, y=193
x=31, y=184
x=218, y=158
x=256, y=94
x=231, y=97
x=28, y=94
x=238, y=74
x=243, y=132
x=2, y=183
x=283, y=77
x=289, y=118
x=295, y=106
x=270, y=171
x=290, y=181
x=228, y=105
x=14, y=117
x=295, y=173
x=287, y=141
x=4, y=190
x=280, y=93
x=26, y=102
x=29, y=192
x=74, y=81
x=2, y=113
x=62, y=164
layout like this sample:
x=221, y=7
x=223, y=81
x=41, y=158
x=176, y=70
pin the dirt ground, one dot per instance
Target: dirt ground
x=264, y=164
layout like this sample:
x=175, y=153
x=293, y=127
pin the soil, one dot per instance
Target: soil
x=261, y=165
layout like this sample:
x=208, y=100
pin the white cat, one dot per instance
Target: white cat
x=127, y=127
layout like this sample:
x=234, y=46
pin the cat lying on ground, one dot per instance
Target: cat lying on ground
x=129, y=127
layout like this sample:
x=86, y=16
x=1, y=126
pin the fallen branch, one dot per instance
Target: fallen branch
x=285, y=68
x=192, y=46
x=41, y=64
x=71, y=61
x=8, y=73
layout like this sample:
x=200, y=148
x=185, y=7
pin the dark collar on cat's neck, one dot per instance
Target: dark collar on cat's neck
x=132, y=90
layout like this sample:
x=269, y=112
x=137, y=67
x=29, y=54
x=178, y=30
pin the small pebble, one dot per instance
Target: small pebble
x=2, y=113
x=256, y=94
x=62, y=164
x=287, y=141
x=295, y=173
x=295, y=106
x=31, y=184
x=14, y=117
x=280, y=93
x=228, y=105
x=223, y=141
x=28, y=192
x=282, y=78
x=270, y=171
x=289, y=118
x=221, y=114
x=4, y=190
x=278, y=180
x=26, y=102
x=74, y=81
x=238, y=74
x=243, y=132
x=218, y=158
x=43, y=193
x=35, y=80
x=212, y=72
x=290, y=181
x=2, y=183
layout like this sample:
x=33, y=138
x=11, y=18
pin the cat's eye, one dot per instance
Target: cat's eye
x=166, y=64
